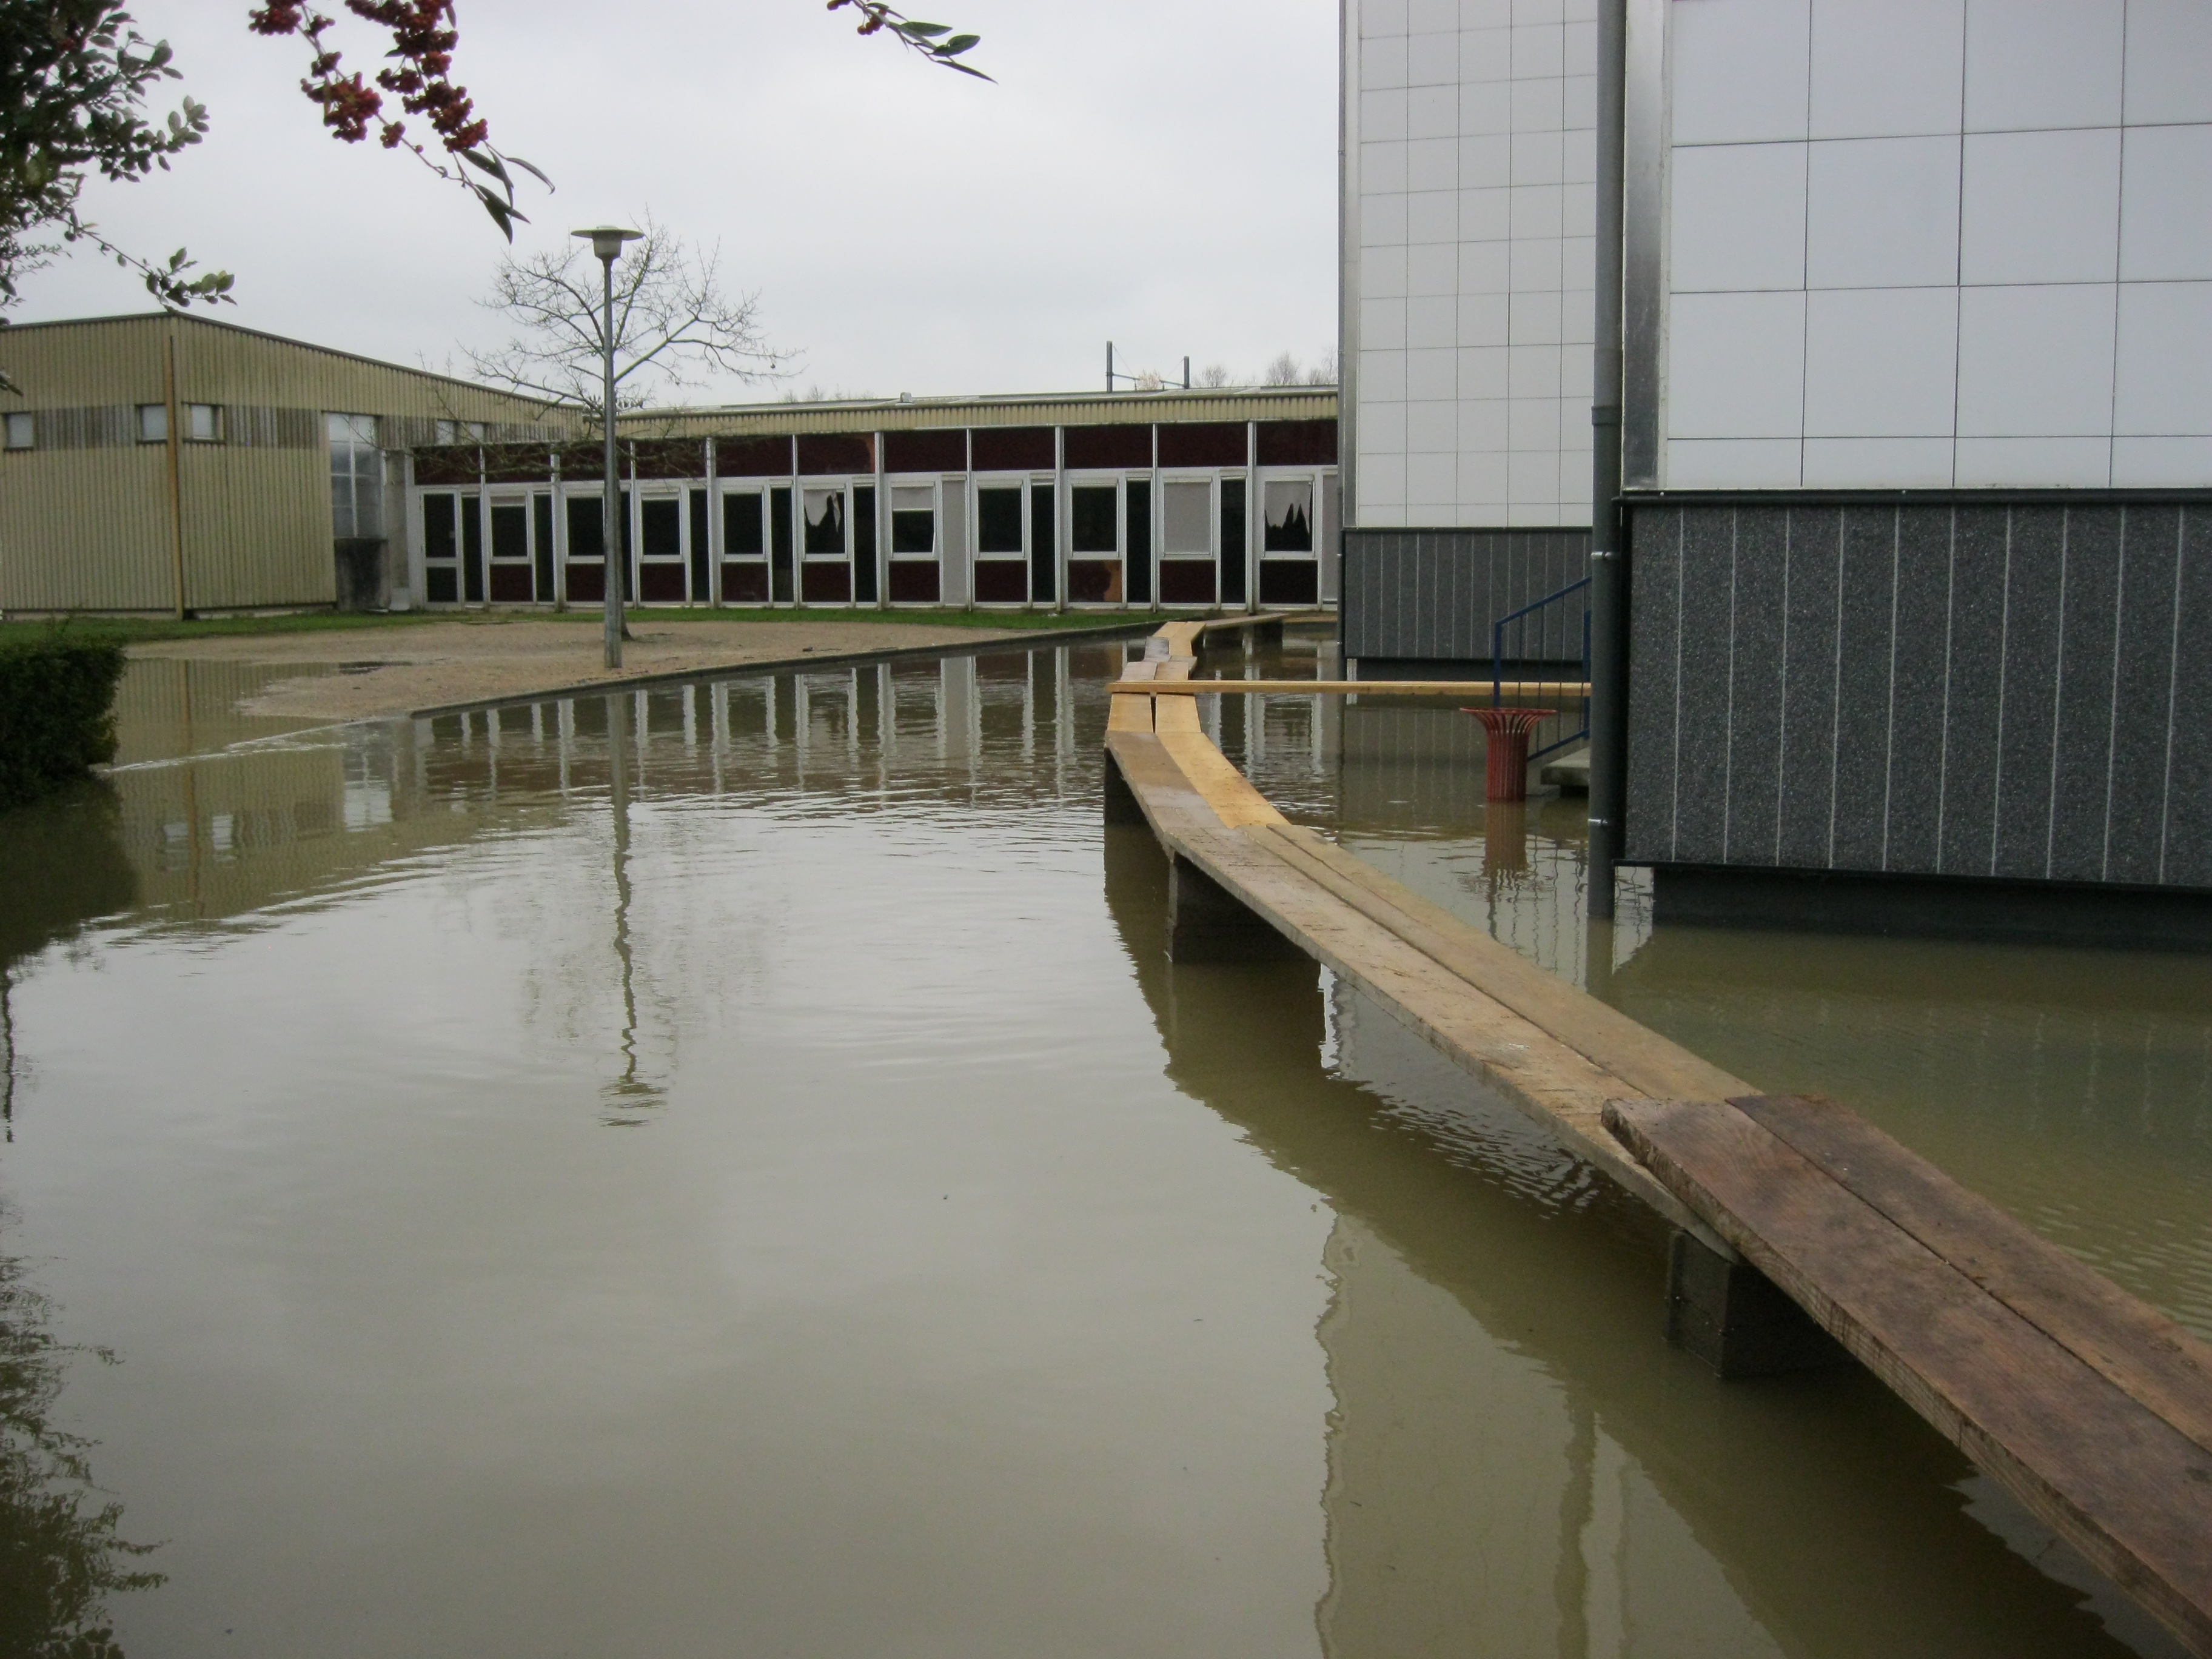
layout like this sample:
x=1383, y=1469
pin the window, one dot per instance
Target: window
x=825, y=523
x=1289, y=524
x=153, y=423
x=356, y=477
x=741, y=525
x=913, y=519
x=1187, y=506
x=455, y=432
x=1093, y=521
x=21, y=431
x=999, y=519
x=203, y=423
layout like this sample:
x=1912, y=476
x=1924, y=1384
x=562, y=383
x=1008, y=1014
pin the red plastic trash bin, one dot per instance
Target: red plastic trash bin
x=1506, y=732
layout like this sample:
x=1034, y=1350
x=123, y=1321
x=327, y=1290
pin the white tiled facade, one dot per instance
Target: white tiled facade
x=1917, y=243
x=1468, y=260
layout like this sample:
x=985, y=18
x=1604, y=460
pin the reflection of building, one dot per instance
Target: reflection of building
x=171, y=463
x=1123, y=500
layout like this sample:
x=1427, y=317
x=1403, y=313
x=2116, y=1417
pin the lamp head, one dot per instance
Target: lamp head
x=607, y=240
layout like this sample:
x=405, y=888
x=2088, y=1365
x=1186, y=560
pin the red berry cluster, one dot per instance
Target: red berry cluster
x=423, y=36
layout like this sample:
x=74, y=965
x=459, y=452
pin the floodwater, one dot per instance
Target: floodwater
x=729, y=1169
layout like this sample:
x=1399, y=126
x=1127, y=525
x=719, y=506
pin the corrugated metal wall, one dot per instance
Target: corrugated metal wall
x=1245, y=403
x=85, y=514
x=1945, y=687
x=1436, y=595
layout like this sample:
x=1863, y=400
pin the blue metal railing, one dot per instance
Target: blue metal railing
x=1550, y=616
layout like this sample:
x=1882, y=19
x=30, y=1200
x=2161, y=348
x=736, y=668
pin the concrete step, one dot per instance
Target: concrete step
x=1569, y=772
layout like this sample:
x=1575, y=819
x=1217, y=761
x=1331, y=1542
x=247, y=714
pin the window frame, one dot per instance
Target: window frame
x=217, y=425
x=153, y=423
x=1312, y=480
x=934, y=483
x=1113, y=483
x=1019, y=483
x=1168, y=481
x=839, y=485
x=25, y=422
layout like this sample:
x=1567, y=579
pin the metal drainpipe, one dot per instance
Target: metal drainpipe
x=1609, y=576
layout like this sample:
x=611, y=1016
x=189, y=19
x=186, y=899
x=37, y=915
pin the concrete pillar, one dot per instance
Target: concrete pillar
x=1207, y=923
x=1121, y=801
x=1730, y=1315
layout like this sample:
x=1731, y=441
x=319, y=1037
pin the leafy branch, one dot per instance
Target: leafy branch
x=420, y=75
x=935, y=41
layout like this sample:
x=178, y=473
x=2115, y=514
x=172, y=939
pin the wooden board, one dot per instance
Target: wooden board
x=2130, y=1344
x=2112, y=1475
x=1474, y=690
x=1531, y=1068
x=1639, y=1056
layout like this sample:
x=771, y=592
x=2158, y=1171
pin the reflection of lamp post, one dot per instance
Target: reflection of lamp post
x=607, y=243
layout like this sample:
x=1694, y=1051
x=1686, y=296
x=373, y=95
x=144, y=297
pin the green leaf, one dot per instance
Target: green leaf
x=922, y=31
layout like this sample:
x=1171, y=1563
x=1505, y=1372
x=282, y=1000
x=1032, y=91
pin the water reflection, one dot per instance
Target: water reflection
x=975, y=1270
x=1516, y=1462
x=61, y=1550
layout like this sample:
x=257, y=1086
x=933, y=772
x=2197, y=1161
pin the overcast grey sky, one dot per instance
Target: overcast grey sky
x=1159, y=173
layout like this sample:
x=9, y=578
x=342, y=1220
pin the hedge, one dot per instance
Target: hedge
x=57, y=712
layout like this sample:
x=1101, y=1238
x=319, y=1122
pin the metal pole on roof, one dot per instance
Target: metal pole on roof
x=607, y=243
x=1110, y=365
x=1185, y=374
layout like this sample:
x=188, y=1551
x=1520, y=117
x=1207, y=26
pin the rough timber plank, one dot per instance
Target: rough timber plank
x=1637, y=1055
x=1546, y=1078
x=2132, y=1344
x=2125, y=1486
x=1198, y=688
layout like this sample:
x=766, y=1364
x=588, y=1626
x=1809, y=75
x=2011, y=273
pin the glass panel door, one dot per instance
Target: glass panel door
x=1002, y=575
x=1094, y=544
x=826, y=572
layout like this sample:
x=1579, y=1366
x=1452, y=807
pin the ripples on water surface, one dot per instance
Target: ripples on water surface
x=729, y=1169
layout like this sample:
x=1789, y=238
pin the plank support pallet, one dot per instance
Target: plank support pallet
x=1804, y=1237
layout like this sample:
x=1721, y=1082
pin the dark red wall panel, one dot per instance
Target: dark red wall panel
x=1210, y=443
x=835, y=452
x=1012, y=448
x=1109, y=446
x=1298, y=443
x=925, y=452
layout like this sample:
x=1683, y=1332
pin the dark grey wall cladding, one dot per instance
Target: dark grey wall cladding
x=1439, y=593
x=2011, y=690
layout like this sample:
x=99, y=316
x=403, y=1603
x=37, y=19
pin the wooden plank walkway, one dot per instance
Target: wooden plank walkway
x=2093, y=1409
x=1548, y=1047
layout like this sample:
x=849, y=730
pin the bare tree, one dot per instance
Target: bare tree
x=1214, y=375
x=1324, y=371
x=674, y=327
x=1283, y=371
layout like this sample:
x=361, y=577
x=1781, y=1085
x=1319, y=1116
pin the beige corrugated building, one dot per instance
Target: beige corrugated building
x=172, y=464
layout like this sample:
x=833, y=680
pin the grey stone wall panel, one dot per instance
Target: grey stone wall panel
x=1806, y=810
x=1867, y=598
x=1967, y=767
x=1917, y=688
x=1946, y=685
x=2083, y=758
x=1708, y=592
x=2035, y=568
x=1654, y=684
x=1759, y=608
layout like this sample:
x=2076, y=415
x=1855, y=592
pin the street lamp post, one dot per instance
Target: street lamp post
x=607, y=242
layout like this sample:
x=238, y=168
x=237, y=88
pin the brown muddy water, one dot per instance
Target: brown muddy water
x=730, y=1170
